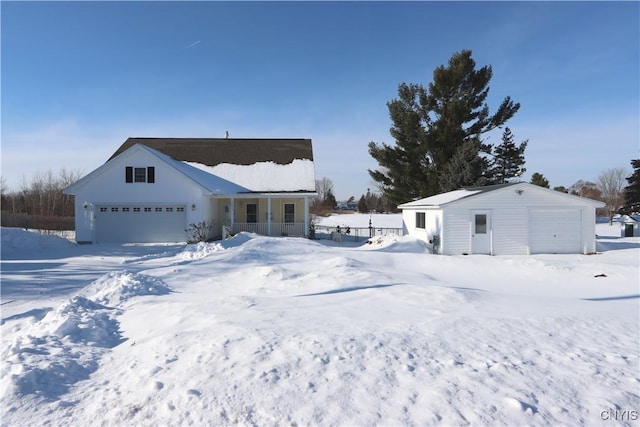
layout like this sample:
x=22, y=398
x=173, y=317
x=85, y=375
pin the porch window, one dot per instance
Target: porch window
x=420, y=220
x=289, y=213
x=252, y=213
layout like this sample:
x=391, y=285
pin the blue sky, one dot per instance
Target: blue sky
x=79, y=78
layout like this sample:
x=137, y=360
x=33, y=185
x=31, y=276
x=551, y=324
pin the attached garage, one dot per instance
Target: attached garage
x=508, y=219
x=152, y=189
x=138, y=223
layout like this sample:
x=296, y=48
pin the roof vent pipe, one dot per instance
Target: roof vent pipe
x=226, y=135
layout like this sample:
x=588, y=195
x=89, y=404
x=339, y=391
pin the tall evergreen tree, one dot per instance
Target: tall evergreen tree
x=539, y=179
x=508, y=159
x=632, y=191
x=464, y=169
x=362, y=205
x=329, y=200
x=406, y=169
x=430, y=127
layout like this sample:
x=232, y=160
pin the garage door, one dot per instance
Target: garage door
x=555, y=231
x=140, y=224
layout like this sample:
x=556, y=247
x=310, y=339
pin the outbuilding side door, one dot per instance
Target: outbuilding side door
x=481, y=232
x=628, y=230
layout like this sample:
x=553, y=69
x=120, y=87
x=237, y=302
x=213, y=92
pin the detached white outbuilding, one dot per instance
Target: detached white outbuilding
x=630, y=226
x=507, y=219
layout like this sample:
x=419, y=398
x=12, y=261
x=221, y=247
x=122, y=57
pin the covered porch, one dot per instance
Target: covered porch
x=265, y=214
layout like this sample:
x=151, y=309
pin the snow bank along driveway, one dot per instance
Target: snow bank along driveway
x=264, y=331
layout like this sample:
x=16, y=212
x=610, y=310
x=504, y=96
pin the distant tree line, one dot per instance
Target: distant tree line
x=325, y=201
x=375, y=202
x=41, y=196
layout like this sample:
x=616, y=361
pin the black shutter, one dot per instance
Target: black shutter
x=128, y=174
x=151, y=174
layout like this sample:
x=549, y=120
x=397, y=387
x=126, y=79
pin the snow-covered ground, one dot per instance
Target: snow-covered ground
x=285, y=331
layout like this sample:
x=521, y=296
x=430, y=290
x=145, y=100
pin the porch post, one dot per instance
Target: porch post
x=269, y=216
x=306, y=216
x=232, y=212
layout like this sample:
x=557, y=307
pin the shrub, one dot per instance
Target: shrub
x=199, y=232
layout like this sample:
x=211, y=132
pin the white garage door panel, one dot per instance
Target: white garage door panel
x=140, y=224
x=555, y=231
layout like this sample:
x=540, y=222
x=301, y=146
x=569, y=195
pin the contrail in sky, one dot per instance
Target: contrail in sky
x=193, y=44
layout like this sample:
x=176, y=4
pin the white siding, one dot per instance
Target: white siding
x=433, y=224
x=108, y=187
x=508, y=222
x=457, y=227
x=510, y=219
x=588, y=230
x=510, y=231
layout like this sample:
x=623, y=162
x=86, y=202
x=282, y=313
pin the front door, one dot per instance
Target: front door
x=481, y=232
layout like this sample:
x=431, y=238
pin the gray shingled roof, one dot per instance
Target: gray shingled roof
x=213, y=151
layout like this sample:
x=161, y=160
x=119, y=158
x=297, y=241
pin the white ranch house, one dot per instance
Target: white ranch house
x=152, y=189
x=509, y=219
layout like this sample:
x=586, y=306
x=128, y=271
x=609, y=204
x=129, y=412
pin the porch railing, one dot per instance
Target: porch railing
x=294, y=229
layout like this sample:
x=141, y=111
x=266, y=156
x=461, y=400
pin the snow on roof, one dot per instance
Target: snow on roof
x=298, y=175
x=629, y=218
x=440, y=199
x=213, y=183
x=453, y=196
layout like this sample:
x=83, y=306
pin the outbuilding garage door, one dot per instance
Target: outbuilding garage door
x=140, y=224
x=555, y=231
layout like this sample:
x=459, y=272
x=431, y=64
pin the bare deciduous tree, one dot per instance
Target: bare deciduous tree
x=319, y=206
x=611, y=184
x=42, y=194
x=323, y=187
x=586, y=189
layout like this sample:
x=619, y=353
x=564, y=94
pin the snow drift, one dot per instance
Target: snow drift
x=265, y=331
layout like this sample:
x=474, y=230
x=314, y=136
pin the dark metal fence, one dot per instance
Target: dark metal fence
x=354, y=234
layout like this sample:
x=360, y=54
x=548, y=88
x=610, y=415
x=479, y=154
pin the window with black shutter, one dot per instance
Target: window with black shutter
x=136, y=174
